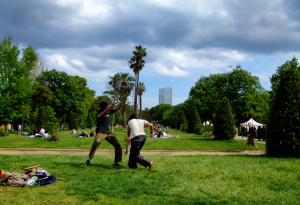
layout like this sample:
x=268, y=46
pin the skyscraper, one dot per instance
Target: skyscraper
x=165, y=96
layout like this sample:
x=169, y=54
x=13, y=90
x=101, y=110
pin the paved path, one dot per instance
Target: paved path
x=13, y=151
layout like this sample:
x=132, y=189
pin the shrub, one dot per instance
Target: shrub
x=54, y=138
x=208, y=134
x=283, y=125
x=2, y=133
x=224, y=127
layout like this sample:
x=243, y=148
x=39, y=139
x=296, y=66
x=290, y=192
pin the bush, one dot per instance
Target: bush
x=283, y=125
x=208, y=134
x=54, y=138
x=199, y=129
x=224, y=127
x=3, y=133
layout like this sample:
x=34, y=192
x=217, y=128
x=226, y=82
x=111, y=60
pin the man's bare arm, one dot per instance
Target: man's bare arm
x=104, y=111
x=128, y=134
x=118, y=108
x=148, y=124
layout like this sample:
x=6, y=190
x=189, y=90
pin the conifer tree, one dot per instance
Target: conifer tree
x=224, y=128
x=89, y=121
x=193, y=120
x=41, y=119
x=182, y=122
x=283, y=125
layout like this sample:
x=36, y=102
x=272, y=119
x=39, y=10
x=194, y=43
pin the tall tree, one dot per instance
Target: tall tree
x=224, y=128
x=141, y=90
x=243, y=90
x=283, y=126
x=126, y=85
x=15, y=87
x=113, y=93
x=137, y=63
x=67, y=91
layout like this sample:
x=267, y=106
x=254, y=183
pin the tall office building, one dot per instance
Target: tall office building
x=165, y=96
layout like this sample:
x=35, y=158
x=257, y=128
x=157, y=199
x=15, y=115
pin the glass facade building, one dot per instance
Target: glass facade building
x=165, y=96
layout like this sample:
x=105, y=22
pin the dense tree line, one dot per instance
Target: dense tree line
x=33, y=96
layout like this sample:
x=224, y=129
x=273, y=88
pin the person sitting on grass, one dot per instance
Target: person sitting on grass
x=250, y=139
x=92, y=134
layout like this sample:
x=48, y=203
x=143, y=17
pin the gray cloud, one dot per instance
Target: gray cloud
x=250, y=26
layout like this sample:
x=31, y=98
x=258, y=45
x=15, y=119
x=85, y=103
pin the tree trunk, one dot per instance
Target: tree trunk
x=112, y=123
x=140, y=106
x=124, y=113
x=135, y=93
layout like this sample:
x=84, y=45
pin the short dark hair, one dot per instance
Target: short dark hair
x=103, y=104
x=133, y=116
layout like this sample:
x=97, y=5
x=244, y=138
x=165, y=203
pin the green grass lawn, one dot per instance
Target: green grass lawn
x=184, y=142
x=199, y=179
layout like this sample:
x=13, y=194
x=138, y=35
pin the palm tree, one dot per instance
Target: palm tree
x=125, y=86
x=137, y=63
x=112, y=92
x=141, y=90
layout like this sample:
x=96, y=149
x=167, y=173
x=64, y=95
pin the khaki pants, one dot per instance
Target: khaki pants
x=112, y=140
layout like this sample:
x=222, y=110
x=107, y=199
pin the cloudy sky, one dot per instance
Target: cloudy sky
x=184, y=39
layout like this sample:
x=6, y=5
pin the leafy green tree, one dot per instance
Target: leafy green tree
x=137, y=63
x=224, y=128
x=244, y=91
x=15, y=86
x=158, y=111
x=67, y=91
x=283, y=126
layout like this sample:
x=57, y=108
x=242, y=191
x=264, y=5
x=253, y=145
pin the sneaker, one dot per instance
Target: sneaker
x=258, y=152
x=151, y=165
x=87, y=163
x=116, y=164
x=245, y=152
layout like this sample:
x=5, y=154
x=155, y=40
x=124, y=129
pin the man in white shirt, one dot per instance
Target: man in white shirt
x=137, y=136
x=8, y=128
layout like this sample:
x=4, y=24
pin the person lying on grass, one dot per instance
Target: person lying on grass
x=137, y=137
x=102, y=132
x=161, y=134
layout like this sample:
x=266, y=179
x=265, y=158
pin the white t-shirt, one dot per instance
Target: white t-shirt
x=42, y=131
x=136, y=127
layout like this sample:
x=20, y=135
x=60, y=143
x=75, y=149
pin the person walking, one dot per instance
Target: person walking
x=8, y=128
x=243, y=131
x=19, y=129
x=102, y=132
x=250, y=138
x=137, y=137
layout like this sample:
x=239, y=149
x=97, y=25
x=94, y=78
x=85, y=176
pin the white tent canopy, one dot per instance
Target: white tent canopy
x=253, y=123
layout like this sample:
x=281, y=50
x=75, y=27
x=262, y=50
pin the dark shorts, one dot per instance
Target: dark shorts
x=251, y=141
